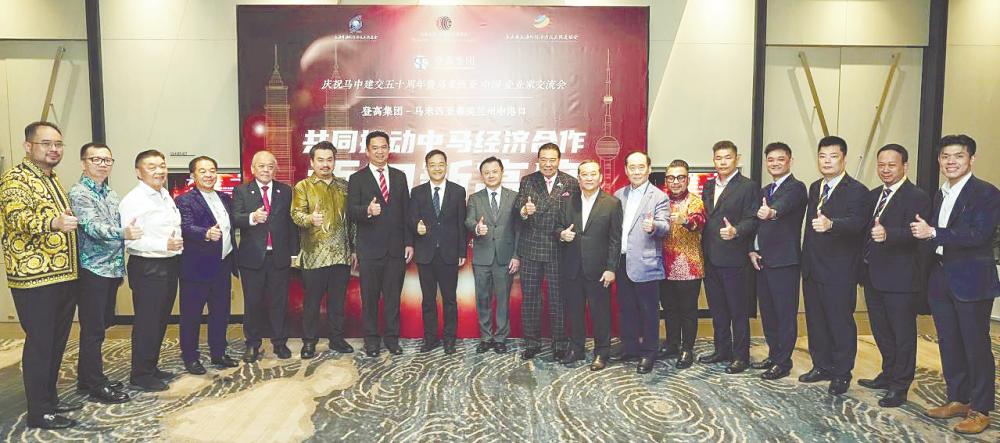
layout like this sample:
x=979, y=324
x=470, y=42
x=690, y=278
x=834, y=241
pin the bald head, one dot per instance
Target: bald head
x=264, y=165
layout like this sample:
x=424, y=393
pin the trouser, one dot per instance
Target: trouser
x=639, y=314
x=154, y=287
x=893, y=319
x=833, y=335
x=679, y=300
x=729, y=304
x=493, y=282
x=580, y=292
x=532, y=274
x=778, y=295
x=381, y=278
x=331, y=281
x=433, y=276
x=265, y=300
x=45, y=314
x=216, y=293
x=96, y=293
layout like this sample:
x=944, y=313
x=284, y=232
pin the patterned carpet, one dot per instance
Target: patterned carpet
x=488, y=397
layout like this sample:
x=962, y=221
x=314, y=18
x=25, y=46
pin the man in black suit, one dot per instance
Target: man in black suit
x=591, y=232
x=378, y=196
x=776, y=259
x=268, y=240
x=540, y=198
x=731, y=207
x=892, y=274
x=963, y=283
x=437, y=222
x=837, y=214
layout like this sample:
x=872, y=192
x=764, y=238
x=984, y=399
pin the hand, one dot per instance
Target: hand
x=607, y=278
x=374, y=208
x=214, y=233
x=567, y=235
x=765, y=212
x=65, y=222
x=878, y=232
x=175, y=243
x=678, y=218
x=528, y=208
x=131, y=231
x=920, y=229
x=821, y=223
x=728, y=231
x=461, y=261
x=316, y=217
x=647, y=223
x=515, y=264
x=755, y=260
x=260, y=215
x=408, y=254
x=421, y=228
x=481, y=228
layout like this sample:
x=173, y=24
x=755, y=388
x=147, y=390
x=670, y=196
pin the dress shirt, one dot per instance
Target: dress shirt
x=442, y=185
x=892, y=192
x=631, y=208
x=777, y=184
x=100, y=236
x=721, y=186
x=269, y=193
x=333, y=243
x=833, y=182
x=385, y=172
x=158, y=217
x=588, y=205
x=950, y=194
x=222, y=218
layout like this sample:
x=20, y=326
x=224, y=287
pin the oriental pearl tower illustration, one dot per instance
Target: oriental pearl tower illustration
x=336, y=115
x=607, y=146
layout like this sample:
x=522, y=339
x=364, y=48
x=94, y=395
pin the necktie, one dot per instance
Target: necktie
x=882, y=201
x=494, y=206
x=383, y=186
x=878, y=211
x=826, y=194
x=770, y=191
x=548, y=185
x=437, y=201
x=267, y=208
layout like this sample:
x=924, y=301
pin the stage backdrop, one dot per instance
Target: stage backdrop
x=474, y=81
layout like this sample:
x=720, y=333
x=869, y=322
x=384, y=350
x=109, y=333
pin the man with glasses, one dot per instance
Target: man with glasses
x=40, y=250
x=102, y=267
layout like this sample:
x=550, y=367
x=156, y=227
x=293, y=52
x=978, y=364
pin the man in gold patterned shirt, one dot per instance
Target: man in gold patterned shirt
x=40, y=255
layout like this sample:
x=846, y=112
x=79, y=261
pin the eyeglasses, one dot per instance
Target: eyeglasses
x=675, y=178
x=49, y=144
x=101, y=160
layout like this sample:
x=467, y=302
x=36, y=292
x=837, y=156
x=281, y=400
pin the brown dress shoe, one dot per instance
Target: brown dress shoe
x=974, y=423
x=950, y=410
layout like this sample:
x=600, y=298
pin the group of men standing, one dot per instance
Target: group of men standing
x=558, y=230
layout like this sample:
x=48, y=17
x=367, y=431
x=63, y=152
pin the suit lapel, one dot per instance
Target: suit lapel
x=204, y=204
x=725, y=191
x=594, y=211
x=960, y=202
x=709, y=193
x=639, y=213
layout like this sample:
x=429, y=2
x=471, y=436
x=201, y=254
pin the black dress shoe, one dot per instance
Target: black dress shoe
x=815, y=375
x=530, y=353
x=194, y=367
x=107, y=395
x=763, y=364
x=68, y=406
x=874, y=383
x=164, y=375
x=449, y=347
x=340, y=345
x=624, y=358
x=251, y=354
x=839, y=386
x=714, y=357
x=667, y=351
x=308, y=350
x=372, y=352
x=774, y=373
x=685, y=360
x=429, y=345
x=394, y=349
x=149, y=384
x=116, y=385
x=483, y=346
x=557, y=355
x=281, y=351
x=500, y=347
x=645, y=366
x=892, y=399
x=224, y=361
x=600, y=362
x=52, y=421
x=737, y=366
x=571, y=357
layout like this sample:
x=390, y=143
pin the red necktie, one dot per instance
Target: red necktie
x=383, y=186
x=267, y=207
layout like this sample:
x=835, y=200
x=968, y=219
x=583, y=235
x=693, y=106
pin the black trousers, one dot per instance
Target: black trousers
x=833, y=335
x=433, y=276
x=330, y=281
x=381, y=278
x=96, y=293
x=216, y=293
x=579, y=292
x=893, y=318
x=46, y=314
x=778, y=295
x=154, y=289
x=729, y=304
x=265, y=302
x=679, y=300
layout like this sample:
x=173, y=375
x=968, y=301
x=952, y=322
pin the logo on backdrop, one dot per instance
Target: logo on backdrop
x=355, y=24
x=444, y=23
x=541, y=21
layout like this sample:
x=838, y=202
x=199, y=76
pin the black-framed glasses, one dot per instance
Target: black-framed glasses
x=49, y=144
x=675, y=178
x=101, y=160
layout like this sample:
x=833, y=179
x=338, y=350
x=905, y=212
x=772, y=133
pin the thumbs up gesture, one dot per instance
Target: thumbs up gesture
x=421, y=228
x=481, y=228
x=567, y=235
x=878, y=232
x=214, y=233
x=175, y=242
x=647, y=223
x=132, y=231
x=374, y=208
x=821, y=223
x=260, y=215
x=528, y=208
x=765, y=212
x=65, y=222
x=728, y=231
x=921, y=230
x=316, y=217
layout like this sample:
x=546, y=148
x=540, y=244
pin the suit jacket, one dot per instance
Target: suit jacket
x=597, y=246
x=834, y=256
x=202, y=260
x=445, y=231
x=536, y=241
x=968, y=240
x=253, y=239
x=778, y=239
x=738, y=203
x=497, y=246
x=895, y=264
x=385, y=235
x=644, y=260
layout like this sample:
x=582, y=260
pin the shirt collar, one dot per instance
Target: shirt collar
x=777, y=182
x=269, y=184
x=896, y=186
x=641, y=189
x=34, y=168
x=374, y=169
x=98, y=188
x=947, y=188
x=834, y=181
x=313, y=178
x=722, y=184
x=590, y=199
x=498, y=190
x=148, y=190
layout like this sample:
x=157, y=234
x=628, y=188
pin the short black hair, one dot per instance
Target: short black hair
x=833, y=140
x=147, y=154
x=491, y=159
x=194, y=162
x=777, y=146
x=649, y=161
x=323, y=145
x=29, y=131
x=724, y=144
x=550, y=147
x=679, y=164
x=588, y=162
x=958, y=139
x=433, y=152
x=375, y=134
x=895, y=147
x=95, y=145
